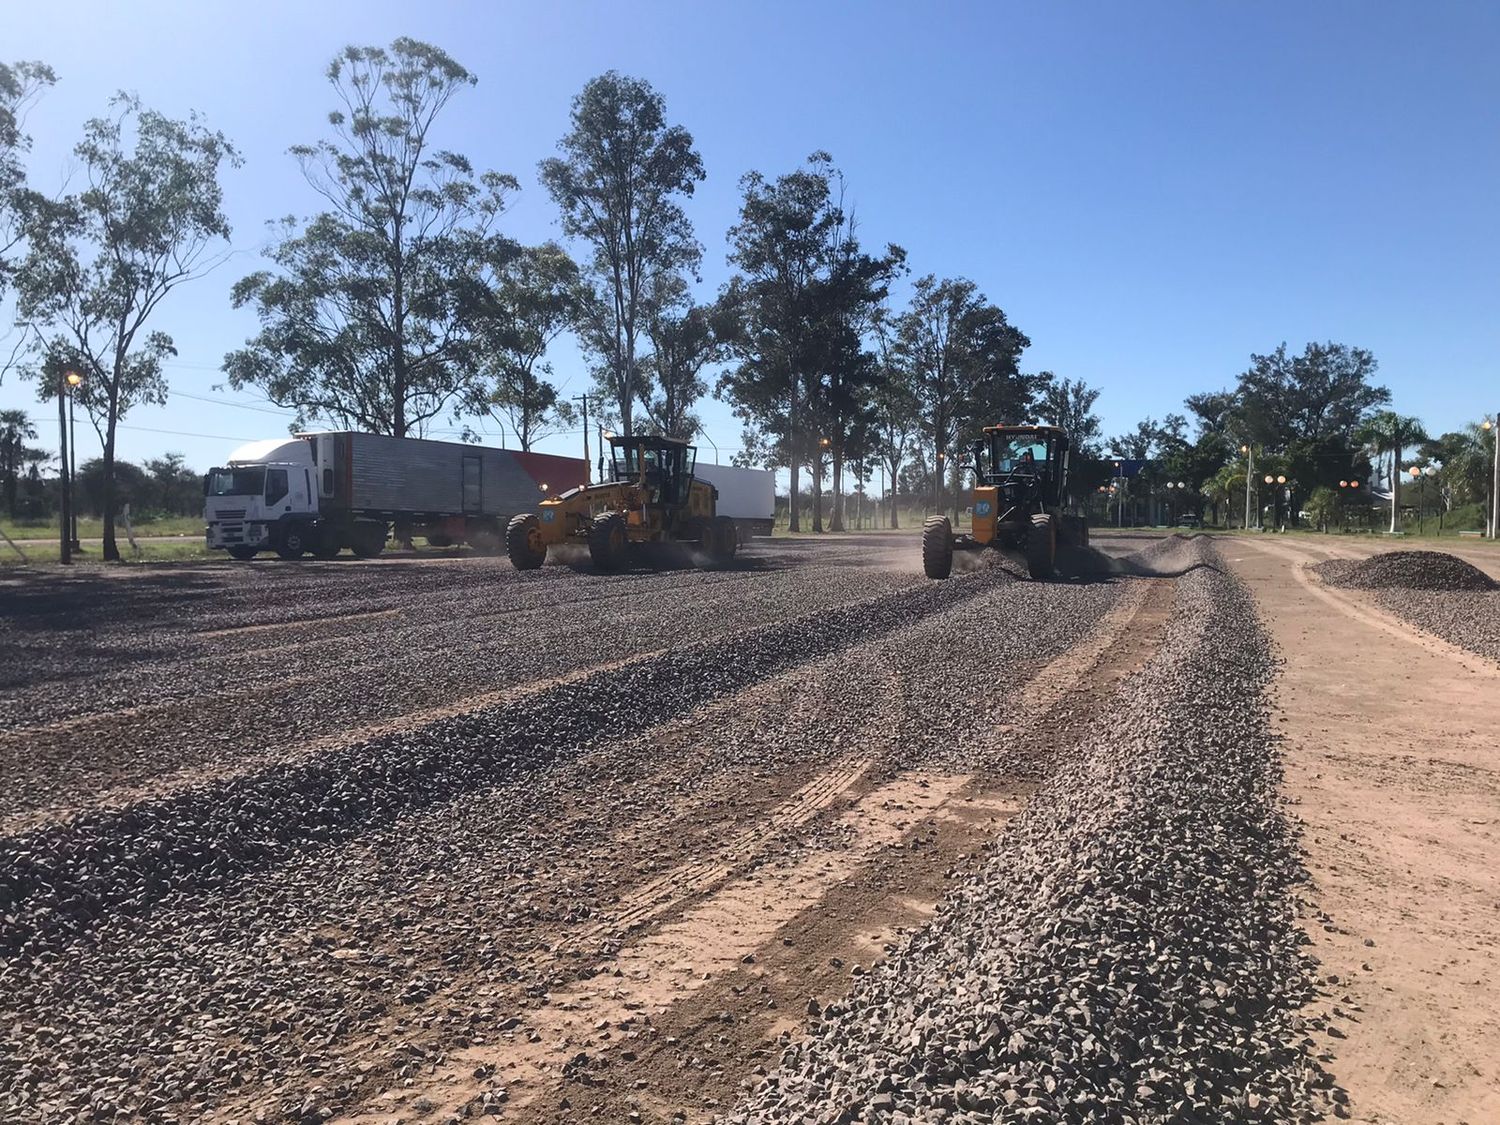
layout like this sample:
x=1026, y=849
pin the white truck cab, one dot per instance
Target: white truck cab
x=265, y=498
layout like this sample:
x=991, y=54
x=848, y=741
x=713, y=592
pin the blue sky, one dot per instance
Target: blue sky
x=1152, y=191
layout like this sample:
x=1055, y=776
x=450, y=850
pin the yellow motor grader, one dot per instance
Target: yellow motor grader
x=1020, y=489
x=650, y=498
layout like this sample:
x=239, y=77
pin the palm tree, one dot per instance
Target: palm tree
x=1389, y=432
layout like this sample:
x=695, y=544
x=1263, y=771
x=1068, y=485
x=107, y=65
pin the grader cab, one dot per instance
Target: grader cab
x=1020, y=490
x=650, y=498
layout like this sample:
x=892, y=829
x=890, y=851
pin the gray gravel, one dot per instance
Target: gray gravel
x=1128, y=953
x=92, y=647
x=245, y=937
x=1438, y=592
x=1406, y=570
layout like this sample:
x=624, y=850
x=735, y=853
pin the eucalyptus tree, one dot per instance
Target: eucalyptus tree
x=149, y=218
x=372, y=313
x=683, y=343
x=20, y=207
x=1069, y=404
x=963, y=356
x=619, y=183
x=534, y=296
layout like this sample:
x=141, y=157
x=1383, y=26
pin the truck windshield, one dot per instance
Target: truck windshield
x=236, y=482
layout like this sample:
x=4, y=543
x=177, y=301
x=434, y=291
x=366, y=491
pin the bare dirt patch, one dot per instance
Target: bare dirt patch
x=1390, y=765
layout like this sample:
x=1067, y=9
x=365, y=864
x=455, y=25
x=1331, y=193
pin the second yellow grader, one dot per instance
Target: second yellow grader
x=650, y=498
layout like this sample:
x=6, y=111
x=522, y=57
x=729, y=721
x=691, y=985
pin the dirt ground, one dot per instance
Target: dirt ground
x=1391, y=763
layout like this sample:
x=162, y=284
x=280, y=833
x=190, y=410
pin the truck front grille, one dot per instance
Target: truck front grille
x=230, y=514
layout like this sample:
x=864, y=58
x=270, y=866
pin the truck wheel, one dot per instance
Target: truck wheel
x=244, y=554
x=523, y=542
x=937, y=547
x=293, y=544
x=608, y=541
x=1041, y=547
x=369, y=540
x=721, y=539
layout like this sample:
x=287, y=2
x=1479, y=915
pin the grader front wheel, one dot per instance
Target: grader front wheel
x=1041, y=547
x=608, y=541
x=937, y=547
x=523, y=542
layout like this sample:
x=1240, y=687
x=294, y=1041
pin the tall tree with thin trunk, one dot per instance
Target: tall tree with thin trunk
x=683, y=343
x=1389, y=433
x=619, y=184
x=149, y=218
x=897, y=412
x=21, y=208
x=372, y=313
x=963, y=355
x=536, y=295
x=1069, y=405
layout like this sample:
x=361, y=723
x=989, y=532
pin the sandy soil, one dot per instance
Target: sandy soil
x=1391, y=761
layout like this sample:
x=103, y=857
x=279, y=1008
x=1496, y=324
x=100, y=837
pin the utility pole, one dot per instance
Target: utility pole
x=64, y=478
x=585, y=400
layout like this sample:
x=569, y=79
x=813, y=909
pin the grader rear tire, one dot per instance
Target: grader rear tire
x=523, y=542
x=1041, y=548
x=937, y=547
x=608, y=541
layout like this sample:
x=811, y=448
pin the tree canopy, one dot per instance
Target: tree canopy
x=371, y=314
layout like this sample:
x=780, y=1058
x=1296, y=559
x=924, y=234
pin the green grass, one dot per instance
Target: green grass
x=91, y=527
x=37, y=554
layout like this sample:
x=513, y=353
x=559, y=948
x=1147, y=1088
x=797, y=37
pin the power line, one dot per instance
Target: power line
x=279, y=411
x=182, y=433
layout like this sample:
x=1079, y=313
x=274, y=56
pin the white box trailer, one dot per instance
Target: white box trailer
x=748, y=496
x=321, y=492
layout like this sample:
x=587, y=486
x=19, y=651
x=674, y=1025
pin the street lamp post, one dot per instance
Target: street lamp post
x=65, y=379
x=1249, y=452
x=1493, y=427
x=73, y=380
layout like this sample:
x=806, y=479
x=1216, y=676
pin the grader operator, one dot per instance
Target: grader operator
x=650, y=498
x=1020, y=489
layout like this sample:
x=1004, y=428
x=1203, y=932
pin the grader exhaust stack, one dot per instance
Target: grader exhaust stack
x=1020, y=490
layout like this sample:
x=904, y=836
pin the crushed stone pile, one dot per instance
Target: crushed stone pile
x=1127, y=953
x=1406, y=570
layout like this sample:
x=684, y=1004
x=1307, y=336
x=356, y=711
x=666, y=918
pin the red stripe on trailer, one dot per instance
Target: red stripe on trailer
x=557, y=473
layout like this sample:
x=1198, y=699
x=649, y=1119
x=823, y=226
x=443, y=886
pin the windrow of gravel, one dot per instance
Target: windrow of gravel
x=1406, y=570
x=1128, y=952
x=57, y=880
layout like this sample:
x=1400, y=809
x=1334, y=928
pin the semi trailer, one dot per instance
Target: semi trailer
x=747, y=496
x=320, y=493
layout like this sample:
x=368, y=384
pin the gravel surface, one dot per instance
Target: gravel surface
x=238, y=939
x=1128, y=953
x=1406, y=570
x=305, y=925
x=118, y=681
